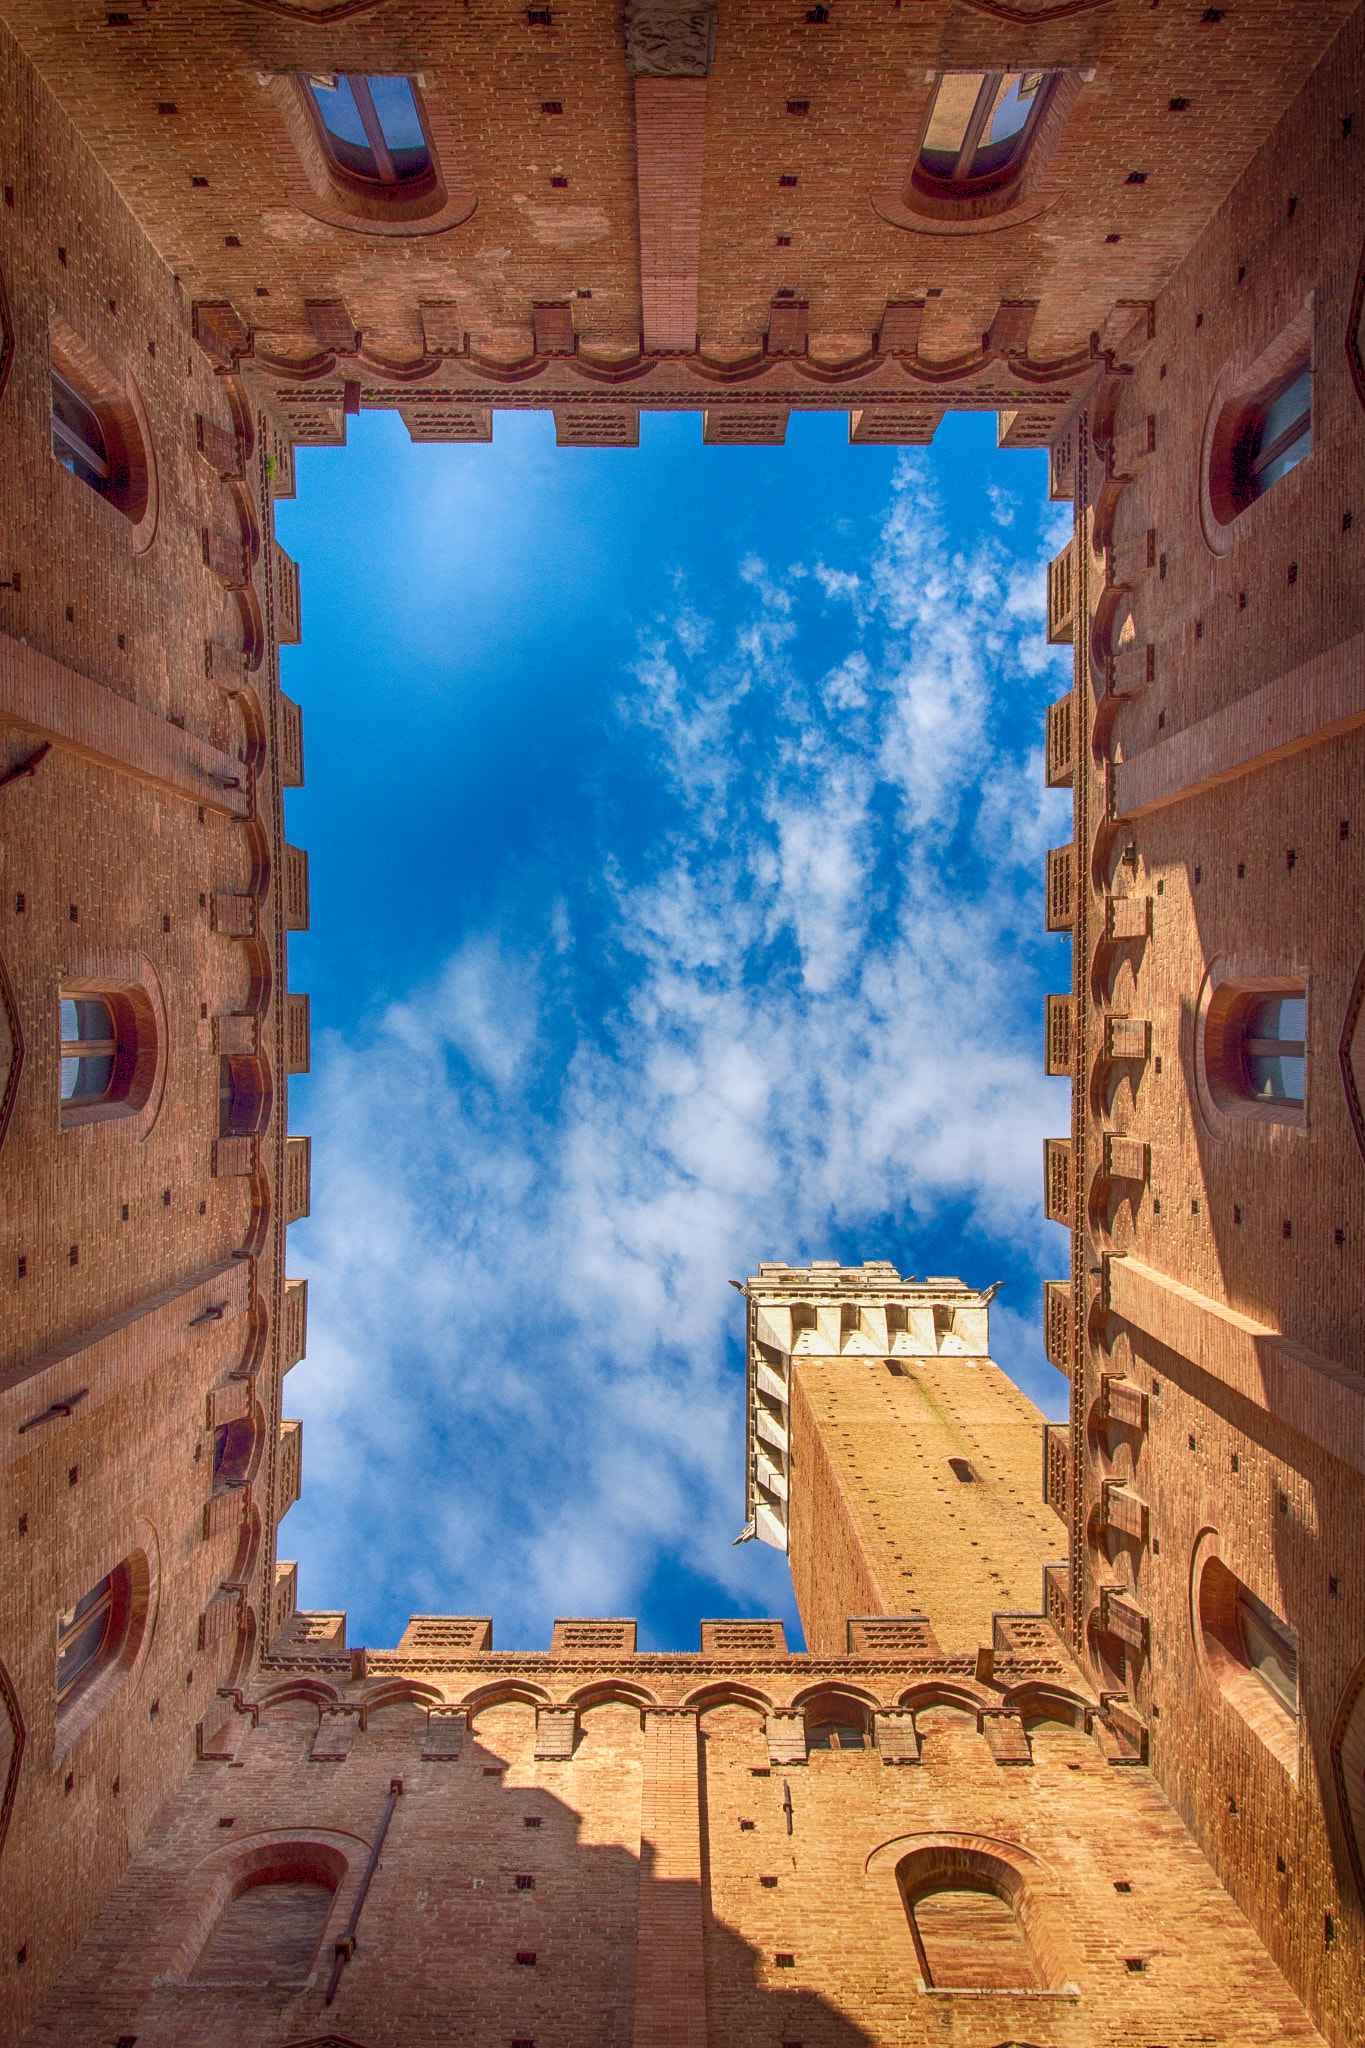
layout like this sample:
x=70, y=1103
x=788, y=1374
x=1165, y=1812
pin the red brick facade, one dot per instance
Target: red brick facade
x=1033, y=1737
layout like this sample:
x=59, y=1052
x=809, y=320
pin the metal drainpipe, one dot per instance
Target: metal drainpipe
x=345, y=1948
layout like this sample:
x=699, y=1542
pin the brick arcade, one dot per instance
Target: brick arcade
x=1076, y=1753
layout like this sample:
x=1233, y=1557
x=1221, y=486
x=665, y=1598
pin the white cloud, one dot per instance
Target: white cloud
x=518, y=1396
x=1004, y=504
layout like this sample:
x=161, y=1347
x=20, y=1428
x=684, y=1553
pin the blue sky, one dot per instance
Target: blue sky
x=676, y=822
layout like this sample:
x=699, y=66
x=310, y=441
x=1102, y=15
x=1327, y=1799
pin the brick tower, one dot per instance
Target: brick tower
x=889, y=1456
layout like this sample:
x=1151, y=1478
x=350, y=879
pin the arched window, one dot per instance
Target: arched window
x=1254, y=1049
x=269, y=1930
x=977, y=1921
x=1259, y=427
x=967, y=1938
x=99, y=430
x=1274, y=434
x=979, y=130
x=837, y=1722
x=373, y=130
x=78, y=437
x=108, y=1052
x=91, y=1635
x=1249, y=1653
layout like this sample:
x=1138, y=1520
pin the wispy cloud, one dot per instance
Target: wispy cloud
x=521, y=1395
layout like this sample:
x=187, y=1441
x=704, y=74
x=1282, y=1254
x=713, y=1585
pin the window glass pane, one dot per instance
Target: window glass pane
x=94, y=1598
x=81, y=1632
x=1270, y=1650
x=1013, y=104
x=954, y=103
x=79, y=1651
x=398, y=116
x=819, y=1738
x=93, y=1079
x=86, y=1018
x=1277, y=1017
x=340, y=114
x=70, y=410
x=1275, y=1080
x=1291, y=406
x=71, y=1073
x=77, y=437
x=851, y=1738
x=1288, y=459
x=1003, y=134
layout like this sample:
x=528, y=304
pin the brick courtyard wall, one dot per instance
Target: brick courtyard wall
x=804, y=1933
x=139, y=1281
x=1216, y=1266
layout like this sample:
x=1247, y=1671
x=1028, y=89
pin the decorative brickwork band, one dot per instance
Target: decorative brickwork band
x=1061, y=596
x=290, y=1470
x=1323, y=1401
x=82, y=717
x=1057, y=1468
x=1006, y=1738
x=593, y=1638
x=1061, y=741
x=1057, y=1180
x=670, y=1976
x=1312, y=703
x=1057, y=1323
x=337, y=1731
x=1061, y=1033
x=670, y=136
x=288, y=604
x=1127, y=917
x=298, y=1174
x=220, y=1620
x=438, y=1637
x=297, y=1035
x=294, y=1339
x=112, y=1357
x=291, y=743
x=1061, y=888
x=294, y=882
